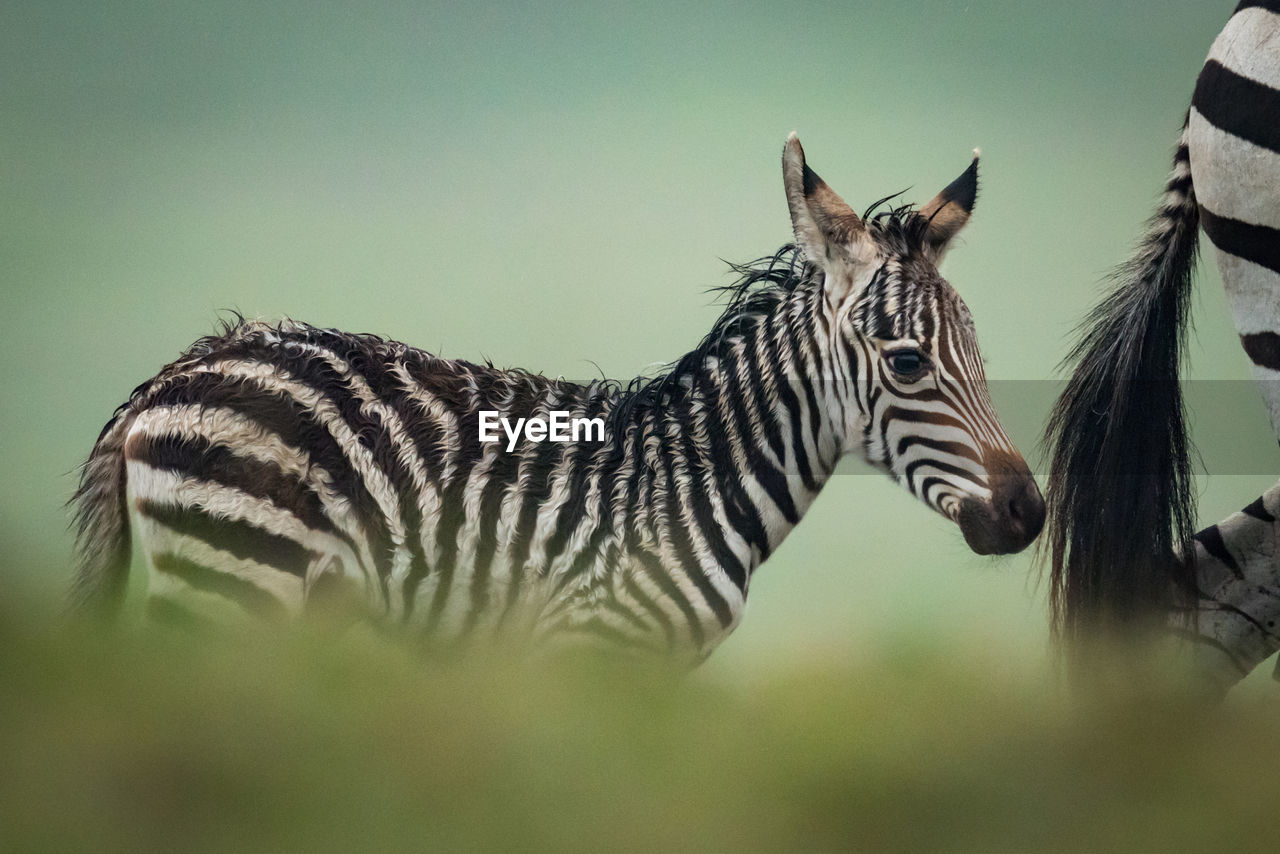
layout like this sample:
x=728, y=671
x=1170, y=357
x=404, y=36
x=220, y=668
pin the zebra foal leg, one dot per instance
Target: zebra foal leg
x=202, y=574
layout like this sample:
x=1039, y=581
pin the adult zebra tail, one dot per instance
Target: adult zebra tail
x=101, y=522
x=1121, y=493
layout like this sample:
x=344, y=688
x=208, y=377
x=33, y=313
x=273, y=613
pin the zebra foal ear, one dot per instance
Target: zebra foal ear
x=949, y=211
x=826, y=228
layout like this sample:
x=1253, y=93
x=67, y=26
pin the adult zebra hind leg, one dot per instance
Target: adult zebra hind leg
x=1233, y=136
x=1121, y=493
x=1238, y=574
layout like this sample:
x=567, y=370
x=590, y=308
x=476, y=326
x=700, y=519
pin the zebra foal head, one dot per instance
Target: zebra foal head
x=908, y=379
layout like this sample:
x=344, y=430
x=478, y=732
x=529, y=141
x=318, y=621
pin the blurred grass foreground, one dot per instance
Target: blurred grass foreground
x=133, y=740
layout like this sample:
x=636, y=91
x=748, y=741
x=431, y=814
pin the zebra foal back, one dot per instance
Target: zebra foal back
x=270, y=464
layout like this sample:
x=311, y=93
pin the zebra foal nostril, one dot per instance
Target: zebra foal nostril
x=1028, y=510
x=1014, y=513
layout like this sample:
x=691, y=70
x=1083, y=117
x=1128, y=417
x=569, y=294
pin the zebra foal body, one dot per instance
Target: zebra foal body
x=272, y=466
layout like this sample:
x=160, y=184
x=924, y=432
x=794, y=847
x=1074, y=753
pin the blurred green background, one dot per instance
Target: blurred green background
x=553, y=186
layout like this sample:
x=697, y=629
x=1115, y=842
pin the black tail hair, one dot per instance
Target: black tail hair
x=1121, y=494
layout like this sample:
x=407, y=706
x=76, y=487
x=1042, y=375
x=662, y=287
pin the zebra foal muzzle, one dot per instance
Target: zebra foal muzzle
x=1012, y=517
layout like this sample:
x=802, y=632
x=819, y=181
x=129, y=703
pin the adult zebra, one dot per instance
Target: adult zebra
x=273, y=465
x=1120, y=489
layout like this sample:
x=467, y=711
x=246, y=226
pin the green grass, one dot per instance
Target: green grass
x=132, y=741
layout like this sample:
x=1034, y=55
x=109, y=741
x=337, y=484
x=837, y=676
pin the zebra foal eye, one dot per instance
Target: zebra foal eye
x=906, y=362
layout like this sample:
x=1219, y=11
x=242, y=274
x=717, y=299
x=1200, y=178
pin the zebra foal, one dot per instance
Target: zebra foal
x=273, y=464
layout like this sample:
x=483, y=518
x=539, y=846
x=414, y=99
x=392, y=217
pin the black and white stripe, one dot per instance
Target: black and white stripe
x=1121, y=492
x=1233, y=134
x=273, y=462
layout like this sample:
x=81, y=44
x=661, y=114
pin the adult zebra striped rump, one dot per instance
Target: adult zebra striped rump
x=1120, y=492
x=272, y=465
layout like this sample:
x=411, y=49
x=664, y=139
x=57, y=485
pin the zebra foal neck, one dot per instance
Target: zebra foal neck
x=272, y=466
